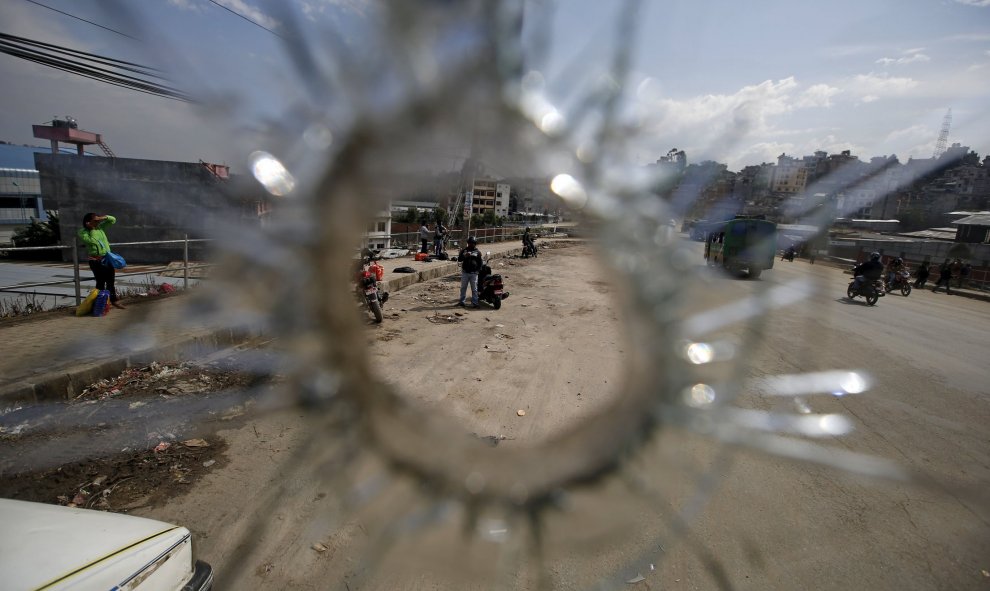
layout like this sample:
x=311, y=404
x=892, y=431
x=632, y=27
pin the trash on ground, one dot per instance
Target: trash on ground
x=636, y=579
x=163, y=446
x=195, y=443
x=521, y=412
x=209, y=463
x=319, y=547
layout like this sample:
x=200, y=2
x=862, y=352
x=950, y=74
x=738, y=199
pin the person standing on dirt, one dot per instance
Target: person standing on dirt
x=93, y=236
x=471, y=263
x=424, y=237
x=922, y=275
x=964, y=274
x=944, y=276
x=439, y=235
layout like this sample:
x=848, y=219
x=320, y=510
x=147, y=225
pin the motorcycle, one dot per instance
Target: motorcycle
x=871, y=290
x=902, y=281
x=529, y=249
x=788, y=255
x=490, y=285
x=368, y=277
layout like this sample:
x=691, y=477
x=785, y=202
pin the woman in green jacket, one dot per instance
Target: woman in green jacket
x=95, y=239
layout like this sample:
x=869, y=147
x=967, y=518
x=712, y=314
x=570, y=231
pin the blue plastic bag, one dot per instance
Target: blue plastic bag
x=112, y=259
x=102, y=304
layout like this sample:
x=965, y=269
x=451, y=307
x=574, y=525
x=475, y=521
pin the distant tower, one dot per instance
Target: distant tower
x=943, y=136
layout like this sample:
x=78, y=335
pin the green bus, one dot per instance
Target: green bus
x=742, y=244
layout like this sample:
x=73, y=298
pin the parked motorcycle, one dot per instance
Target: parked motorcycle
x=870, y=290
x=902, y=281
x=367, y=278
x=529, y=249
x=490, y=285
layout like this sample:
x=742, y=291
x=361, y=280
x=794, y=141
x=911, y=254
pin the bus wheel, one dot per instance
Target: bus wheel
x=754, y=272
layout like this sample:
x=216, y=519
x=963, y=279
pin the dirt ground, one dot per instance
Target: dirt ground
x=477, y=365
x=111, y=448
x=554, y=351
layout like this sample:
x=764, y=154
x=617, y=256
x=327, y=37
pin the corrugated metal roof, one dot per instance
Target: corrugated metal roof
x=975, y=220
x=933, y=233
x=22, y=157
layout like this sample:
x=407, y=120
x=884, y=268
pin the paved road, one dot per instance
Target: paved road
x=807, y=527
x=770, y=524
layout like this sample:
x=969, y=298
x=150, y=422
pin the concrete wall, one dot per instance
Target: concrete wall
x=152, y=200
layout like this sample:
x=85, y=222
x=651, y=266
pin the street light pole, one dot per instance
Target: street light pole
x=20, y=196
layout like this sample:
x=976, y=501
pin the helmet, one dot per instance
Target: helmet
x=472, y=240
x=875, y=256
x=899, y=260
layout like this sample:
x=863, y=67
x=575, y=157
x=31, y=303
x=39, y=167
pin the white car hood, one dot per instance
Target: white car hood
x=43, y=545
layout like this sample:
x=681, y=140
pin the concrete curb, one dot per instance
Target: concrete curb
x=66, y=383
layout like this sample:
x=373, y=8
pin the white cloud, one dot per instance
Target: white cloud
x=251, y=12
x=912, y=133
x=913, y=56
x=974, y=2
x=736, y=128
x=873, y=86
x=187, y=5
x=819, y=95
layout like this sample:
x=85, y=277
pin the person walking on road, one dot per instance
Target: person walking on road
x=94, y=237
x=922, y=275
x=944, y=276
x=424, y=237
x=471, y=263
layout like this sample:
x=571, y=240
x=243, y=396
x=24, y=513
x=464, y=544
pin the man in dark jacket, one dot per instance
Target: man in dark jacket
x=471, y=263
x=870, y=270
x=944, y=276
x=922, y=275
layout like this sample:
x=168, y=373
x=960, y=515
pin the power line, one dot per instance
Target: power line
x=90, y=66
x=235, y=13
x=81, y=19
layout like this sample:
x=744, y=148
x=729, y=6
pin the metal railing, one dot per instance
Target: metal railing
x=77, y=278
x=411, y=240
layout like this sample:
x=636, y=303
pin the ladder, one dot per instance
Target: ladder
x=106, y=149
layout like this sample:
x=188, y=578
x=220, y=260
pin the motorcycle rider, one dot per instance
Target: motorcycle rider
x=527, y=241
x=471, y=263
x=894, y=267
x=870, y=270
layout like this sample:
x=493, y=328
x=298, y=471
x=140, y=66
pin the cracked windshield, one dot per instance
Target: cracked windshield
x=521, y=294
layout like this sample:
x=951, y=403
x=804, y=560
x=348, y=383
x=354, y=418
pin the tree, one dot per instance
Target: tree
x=410, y=216
x=440, y=216
x=489, y=217
x=45, y=233
x=39, y=233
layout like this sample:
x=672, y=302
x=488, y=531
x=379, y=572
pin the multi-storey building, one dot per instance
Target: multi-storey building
x=490, y=195
x=790, y=176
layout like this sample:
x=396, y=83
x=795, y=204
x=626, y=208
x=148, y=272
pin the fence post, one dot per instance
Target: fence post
x=75, y=269
x=185, y=261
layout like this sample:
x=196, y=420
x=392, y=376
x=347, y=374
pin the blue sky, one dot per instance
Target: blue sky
x=736, y=82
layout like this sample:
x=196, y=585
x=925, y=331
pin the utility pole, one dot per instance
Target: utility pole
x=20, y=196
